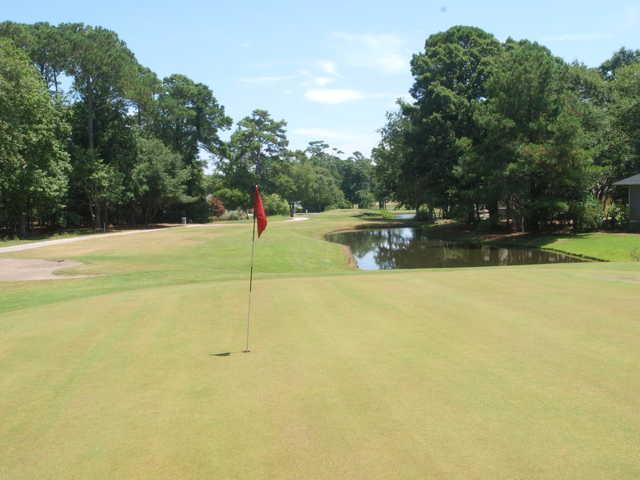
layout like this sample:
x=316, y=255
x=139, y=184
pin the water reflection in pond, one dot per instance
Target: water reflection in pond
x=404, y=216
x=389, y=248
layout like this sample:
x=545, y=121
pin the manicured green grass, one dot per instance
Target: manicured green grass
x=613, y=247
x=499, y=372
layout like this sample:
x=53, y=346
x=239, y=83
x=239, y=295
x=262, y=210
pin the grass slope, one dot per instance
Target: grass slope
x=502, y=372
x=613, y=247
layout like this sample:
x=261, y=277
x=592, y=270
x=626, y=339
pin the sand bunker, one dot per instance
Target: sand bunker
x=19, y=270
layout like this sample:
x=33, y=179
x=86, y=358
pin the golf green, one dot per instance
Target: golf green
x=497, y=372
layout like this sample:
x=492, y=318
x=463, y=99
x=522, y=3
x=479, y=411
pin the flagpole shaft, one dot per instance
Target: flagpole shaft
x=253, y=249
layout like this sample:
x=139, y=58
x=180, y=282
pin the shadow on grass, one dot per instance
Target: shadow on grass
x=228, y=354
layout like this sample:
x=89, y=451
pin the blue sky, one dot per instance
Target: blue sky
x=332, y=68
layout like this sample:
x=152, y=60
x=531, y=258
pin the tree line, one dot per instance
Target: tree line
x=508, y=131
x=495, y=132
x=89, y=136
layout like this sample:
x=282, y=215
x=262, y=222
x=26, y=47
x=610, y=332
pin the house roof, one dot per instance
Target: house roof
x=632, y=180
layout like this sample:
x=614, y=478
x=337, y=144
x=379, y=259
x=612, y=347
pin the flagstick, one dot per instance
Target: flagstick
x=253, y=248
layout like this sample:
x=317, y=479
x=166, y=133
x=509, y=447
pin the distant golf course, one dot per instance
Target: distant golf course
x=496, y=372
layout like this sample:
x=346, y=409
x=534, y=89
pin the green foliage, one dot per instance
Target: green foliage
x=257, y=152
x=158, y=177
x=509, y=126
x=233, y=198
x=389, y=156
x=424, y=214
x=136, y=142
x=505, y=127
x=113, y=101
x=316, y=187
x=364, y=198
x=619, y=59
x=616, y=216
x=450, y=81
x=33, y=164
x=274, y=204
x=587, y=214
x=356, y=174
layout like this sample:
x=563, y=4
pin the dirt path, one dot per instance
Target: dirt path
x=46, y=243
x=21, y=270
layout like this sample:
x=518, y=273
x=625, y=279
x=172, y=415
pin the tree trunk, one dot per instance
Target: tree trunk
x=23, y=225
x=494, y=217
x=90, y=123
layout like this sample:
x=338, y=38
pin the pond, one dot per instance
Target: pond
x=409, y=247
x=404, y=216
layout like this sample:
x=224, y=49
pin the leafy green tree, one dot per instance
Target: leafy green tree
x=189, y=120
x=101, y=184
x=356, y=179
x=450, y=80
x=532, y=132
x=102, y=68
x=233, y=198
x=33, y=163
x=274, y=204
x=619, y=59
x=46, y=47
x=388, y=157
x=316, y=187
x=625, y=108
x=257, y=153
x=322, y=155
x=157, y=178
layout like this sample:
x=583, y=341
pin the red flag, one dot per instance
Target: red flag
x=258, y=211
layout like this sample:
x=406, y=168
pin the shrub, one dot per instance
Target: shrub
x=387, y=215
x=588, y=214
x=341, y=203
x=233, y=199
x=234, y=215
x=274, y=204
x=424, y=214
x=364, y=198
x=617, y=216
x=217, y=207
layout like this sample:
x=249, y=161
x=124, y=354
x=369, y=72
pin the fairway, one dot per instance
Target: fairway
x=498, y=372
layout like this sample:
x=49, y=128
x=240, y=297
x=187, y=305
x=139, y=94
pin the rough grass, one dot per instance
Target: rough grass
x=499, y=372
x=36, y=237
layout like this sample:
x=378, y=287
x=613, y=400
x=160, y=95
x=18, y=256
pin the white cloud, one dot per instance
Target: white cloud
x=327, y=66
x=385, y=52
x=577, y=37
x=322, y=81
x=308, y=77
x=267, y=79
x=333, y=96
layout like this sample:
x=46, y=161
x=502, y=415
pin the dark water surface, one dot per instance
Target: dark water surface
x=408, y=247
